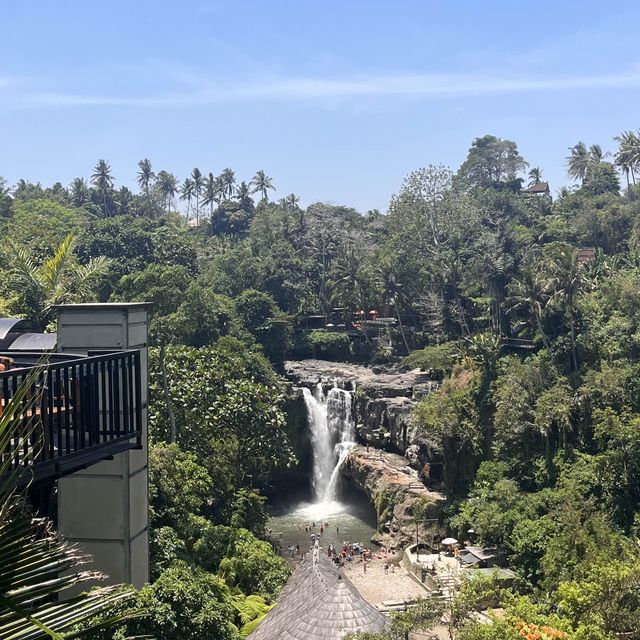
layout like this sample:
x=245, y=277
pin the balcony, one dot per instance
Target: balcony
x=76, y=410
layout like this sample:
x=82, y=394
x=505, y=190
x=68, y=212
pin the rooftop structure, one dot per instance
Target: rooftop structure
x=537, y=189
x=319, y=603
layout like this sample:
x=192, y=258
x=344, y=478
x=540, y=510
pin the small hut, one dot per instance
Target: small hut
x=319, y=603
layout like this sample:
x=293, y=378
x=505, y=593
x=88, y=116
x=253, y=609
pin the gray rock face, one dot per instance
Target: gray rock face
x=384, y=398
x=394, y=488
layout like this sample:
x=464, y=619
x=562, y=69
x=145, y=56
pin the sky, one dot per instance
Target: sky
x=336, y=100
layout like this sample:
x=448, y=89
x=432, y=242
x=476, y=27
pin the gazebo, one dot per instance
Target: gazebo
x=319, y=603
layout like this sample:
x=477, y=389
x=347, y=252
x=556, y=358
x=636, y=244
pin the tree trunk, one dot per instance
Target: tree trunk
x=573, y=345
x=545, y=340
x=404, y=339
x=167, y=397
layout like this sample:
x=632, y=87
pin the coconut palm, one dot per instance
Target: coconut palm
x=290, y=202
x=197, y=180
x=564, y=279
x=102, y=180
x=535, y=176
x=145, y=175
x=527, y=293
x=627, y=158
x=186, y=193
x=209, y=191
x=38, y=567
x=261, y=182
x=168, y=185
x=596, y=153
x=59, y=279
x=80, y=193
x=392, y=291
x=228, y=179
x=243, y=193
x=578, y=161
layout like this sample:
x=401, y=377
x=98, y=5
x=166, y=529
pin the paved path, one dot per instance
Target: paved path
x=377, y=587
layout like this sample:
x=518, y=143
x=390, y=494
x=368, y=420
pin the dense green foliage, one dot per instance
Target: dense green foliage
x=524, y=307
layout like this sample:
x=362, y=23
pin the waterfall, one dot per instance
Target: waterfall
x=331, y=423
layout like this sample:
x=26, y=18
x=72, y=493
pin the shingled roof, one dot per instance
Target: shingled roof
x=319, y=603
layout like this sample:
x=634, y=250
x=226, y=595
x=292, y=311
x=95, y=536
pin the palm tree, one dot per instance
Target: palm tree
x=628, y=155
x=564, y=280
x=80, y=194
x=145, y=175
x=392, y=291
x=197, y=180
x=186, y=193
x=102, y=180
x=596, y=153
x=578, y=161
x=243, y=193
x=261, y=182
x=535, y=176
x=209, y=189
x=290, y=202
x=527, y=293
x=59, y=279
x=228, y=178
x=168, y=184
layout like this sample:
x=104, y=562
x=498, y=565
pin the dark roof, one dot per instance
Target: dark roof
x=14, y=325
x=319, y=603
x=34, y=342
x=482, y=553
x=540, y=187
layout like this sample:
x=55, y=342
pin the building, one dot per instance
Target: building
x=319, y=603
x=537, y=189
x=82, y=441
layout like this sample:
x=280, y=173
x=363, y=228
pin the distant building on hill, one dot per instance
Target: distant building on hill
x=537, y=189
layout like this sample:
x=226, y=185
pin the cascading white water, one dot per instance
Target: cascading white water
x=331, y=423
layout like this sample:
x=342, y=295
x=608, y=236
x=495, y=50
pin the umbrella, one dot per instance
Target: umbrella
x=449, y=541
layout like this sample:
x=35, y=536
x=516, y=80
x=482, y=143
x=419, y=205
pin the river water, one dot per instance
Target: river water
x=346, y=512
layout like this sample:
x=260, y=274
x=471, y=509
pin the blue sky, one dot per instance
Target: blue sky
x=337, y=101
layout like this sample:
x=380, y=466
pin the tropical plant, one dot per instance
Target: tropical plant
x=228, y=181
x=80, y=194
x=102, y=180
x=187, y=191
x=627, y=158
x=578, y=161
x=261, y=183
x=145, y=175
x=58, y=279
x=37, y=565
x=198, y=183
x=535, y=176
x=168, y=185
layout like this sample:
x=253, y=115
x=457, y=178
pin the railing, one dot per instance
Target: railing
x=73, y=413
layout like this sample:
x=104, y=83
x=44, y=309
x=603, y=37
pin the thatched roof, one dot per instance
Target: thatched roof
x=319, y=603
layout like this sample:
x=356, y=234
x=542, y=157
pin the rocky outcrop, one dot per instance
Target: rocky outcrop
x=384, y=401
x=394, y=489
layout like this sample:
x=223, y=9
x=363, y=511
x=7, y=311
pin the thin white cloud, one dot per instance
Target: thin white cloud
x=292, y=89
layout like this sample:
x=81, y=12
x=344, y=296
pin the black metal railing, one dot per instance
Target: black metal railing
x=72, y=413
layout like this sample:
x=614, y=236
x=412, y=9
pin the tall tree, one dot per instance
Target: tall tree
x=228, y=179
x=80, y=194
x=261, y=183
x=198, y=183
x=578, y=161
x=186, y=193
x=145, y=175
x=535, y=176
x=168, y=185
x=491, y=160
x=209, y=190
x=627, y=158
x=102, y=180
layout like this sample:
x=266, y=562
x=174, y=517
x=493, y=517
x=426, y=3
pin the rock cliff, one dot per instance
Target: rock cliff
x=384, y=401
x=394, y=489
